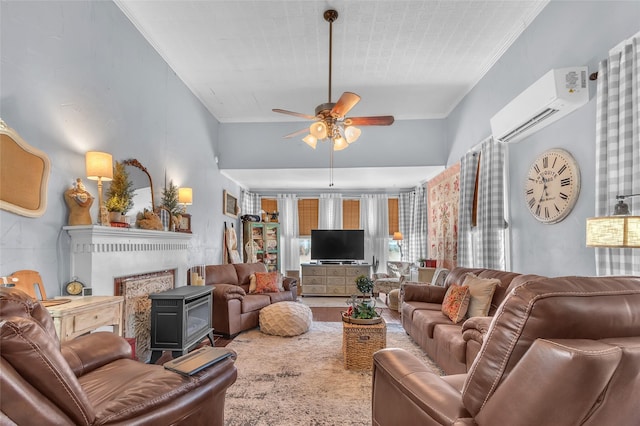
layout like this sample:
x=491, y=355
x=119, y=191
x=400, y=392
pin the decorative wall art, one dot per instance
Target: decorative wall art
x=230, y=205
x=444, y=199
x=24, y=172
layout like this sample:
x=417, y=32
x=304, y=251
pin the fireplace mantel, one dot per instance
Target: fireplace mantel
x=98, y=254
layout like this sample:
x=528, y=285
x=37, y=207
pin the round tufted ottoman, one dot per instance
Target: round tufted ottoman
x=285, y=319
x=392, y=299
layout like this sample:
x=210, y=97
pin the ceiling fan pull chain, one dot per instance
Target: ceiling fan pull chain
x=331, y=163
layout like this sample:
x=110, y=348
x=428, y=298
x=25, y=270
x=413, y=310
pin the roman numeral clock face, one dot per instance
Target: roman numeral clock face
x=552, y=186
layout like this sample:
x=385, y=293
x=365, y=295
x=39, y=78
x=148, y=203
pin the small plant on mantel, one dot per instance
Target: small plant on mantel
x=120, y=194
x=170, y=202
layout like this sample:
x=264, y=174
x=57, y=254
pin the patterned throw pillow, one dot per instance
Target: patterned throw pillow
x=481, y=291
x=267, y=282
x=455, y=302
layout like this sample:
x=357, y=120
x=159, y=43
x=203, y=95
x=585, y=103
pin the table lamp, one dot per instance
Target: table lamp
x=397, y=236
x=99, y=167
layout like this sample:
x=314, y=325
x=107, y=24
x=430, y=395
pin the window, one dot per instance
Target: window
x=308, y=220
x=351, y=214
x=394, y=215
x=269, y=205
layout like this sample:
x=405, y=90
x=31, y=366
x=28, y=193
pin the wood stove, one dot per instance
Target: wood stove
x=180, y=319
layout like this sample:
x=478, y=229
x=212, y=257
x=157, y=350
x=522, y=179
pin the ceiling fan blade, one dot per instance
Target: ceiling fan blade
x=347, y=101
x=295, y=114
x=380, y=120
x=296, y=133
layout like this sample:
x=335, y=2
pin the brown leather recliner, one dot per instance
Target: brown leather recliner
x=559, y=351
x=92, y=380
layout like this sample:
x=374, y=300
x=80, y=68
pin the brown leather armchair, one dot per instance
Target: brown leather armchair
x=559, y=351
x=92, y=380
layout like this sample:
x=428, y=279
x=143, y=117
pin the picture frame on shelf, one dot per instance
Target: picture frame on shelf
x=184, y=225
x=230, y=205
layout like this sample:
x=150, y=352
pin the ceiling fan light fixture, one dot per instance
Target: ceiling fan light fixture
x=339, y=144
x=318, y=129
x=310, y=140
x=351, y=134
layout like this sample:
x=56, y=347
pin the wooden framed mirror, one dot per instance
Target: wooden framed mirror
x=24, y=173
x=142, y=185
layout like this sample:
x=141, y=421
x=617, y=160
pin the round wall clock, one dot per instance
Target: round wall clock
x=74, y=287
x=552, y=185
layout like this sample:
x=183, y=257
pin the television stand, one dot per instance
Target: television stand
x=331, y=279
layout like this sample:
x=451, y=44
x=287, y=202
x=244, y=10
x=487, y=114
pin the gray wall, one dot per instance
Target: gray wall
x=77, y=76
x=405, y=143
x=565, y=33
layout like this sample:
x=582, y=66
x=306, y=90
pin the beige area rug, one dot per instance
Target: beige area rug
x=301, y=380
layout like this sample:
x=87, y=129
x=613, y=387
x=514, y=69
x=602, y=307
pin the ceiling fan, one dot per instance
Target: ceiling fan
x=330, y=122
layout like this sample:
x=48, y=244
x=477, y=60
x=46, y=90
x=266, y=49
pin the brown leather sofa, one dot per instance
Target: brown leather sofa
x=444, y=341
x=560, y=351
x=92, y=380
x=234, y=309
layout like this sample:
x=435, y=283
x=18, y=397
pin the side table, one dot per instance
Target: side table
x=359, y=342
x=85, y=314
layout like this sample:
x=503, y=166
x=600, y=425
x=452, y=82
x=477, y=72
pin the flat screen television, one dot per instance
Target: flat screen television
x=337, y=244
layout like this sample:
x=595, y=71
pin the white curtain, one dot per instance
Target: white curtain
x=618, y=147
x=374, y=217
x=330, y=211
x=412, y=210
x=289, y=245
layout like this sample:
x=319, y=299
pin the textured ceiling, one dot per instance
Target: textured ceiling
x=409, y=59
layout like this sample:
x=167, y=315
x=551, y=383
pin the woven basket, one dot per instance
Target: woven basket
x=359, y=342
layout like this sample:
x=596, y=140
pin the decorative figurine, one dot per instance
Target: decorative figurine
x=79, y=202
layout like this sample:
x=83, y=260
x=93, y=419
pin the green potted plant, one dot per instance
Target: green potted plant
x=120, y=194
x=170, y=202
x=363, y=311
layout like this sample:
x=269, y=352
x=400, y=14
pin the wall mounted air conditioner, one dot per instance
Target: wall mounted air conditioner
x=556, y=94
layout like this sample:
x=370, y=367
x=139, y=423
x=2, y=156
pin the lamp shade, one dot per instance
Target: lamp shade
x=310, y=140
x=185, y=196
x=352, y=133
x=99, y=165
x=318, y=129
x=397, y=236
x=339, y=144
x=613, y=231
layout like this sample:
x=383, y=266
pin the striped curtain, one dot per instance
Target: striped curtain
x=483, y=245
x=468, y=171
x=490, y=245
x=412, y=210
x=330, y=211
x=250, y=202
x=618, y=147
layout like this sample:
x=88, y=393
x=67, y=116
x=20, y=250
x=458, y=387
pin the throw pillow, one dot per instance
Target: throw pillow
x=266, y=282
x=252, y=283
x=455, y=303
x=481, y=291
